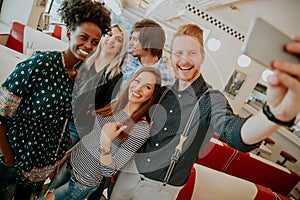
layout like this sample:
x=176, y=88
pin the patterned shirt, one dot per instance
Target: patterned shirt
x=132, y=64
x=35, y=102
x=85, y=157
x=169, y=121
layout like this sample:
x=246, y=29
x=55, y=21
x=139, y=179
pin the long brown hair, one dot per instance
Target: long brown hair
x=141, y=113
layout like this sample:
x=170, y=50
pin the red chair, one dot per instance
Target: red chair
x=206, y=183
x=57, y=32
x=16, y=37
x=187, y=191
x=287, y=157
x=264, y=193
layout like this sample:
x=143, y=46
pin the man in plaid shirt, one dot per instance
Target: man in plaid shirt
x=147, y=43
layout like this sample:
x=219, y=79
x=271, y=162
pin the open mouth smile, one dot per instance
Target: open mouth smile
x=185, y=69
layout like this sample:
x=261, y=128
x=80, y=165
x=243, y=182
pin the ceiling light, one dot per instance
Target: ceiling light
x=214, y=44
x=244, y=61
x=140, y=4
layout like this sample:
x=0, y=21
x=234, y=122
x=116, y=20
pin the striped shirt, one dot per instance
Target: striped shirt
x=85, y=158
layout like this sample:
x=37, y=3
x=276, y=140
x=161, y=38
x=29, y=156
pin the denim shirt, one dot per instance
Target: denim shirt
x=132, y=64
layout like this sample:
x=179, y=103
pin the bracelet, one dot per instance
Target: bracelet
x=271, y=117
x=104, y=152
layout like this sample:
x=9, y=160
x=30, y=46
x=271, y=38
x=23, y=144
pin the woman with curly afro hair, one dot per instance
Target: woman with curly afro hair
x=86, y=22
x=36, y=102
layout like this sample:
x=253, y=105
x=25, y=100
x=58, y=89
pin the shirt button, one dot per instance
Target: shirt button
x=165, y=128
x=156, y=144
x=171, y=111
x=179, y=95
x=148, y=159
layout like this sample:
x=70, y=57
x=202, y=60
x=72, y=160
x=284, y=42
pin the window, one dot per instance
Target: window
x=51, y=8
x=53, y=5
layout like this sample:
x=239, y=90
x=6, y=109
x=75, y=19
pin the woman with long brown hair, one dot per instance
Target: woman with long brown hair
x=121, y=128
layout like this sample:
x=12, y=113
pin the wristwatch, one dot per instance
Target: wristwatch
x=271, y=117
x=104, y=152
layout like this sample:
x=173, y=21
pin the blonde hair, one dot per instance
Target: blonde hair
x=114, y=67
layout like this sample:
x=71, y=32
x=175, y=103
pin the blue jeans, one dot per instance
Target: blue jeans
x=61, y=177
x=73, y=133
x=64, y=174
x=73, y=190
x=8, y=181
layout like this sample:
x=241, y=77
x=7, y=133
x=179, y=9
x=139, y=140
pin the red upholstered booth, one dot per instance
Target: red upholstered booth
x=216, y=155
x=60, y=32
x=187, y=191
x=57, y=32
x=221, y=157
x=265, y=193
x=208, y=184
x=16, y=37
x=252, y=168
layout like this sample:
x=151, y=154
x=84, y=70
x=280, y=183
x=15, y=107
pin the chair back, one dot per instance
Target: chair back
x=16, y=37
x=57, y=31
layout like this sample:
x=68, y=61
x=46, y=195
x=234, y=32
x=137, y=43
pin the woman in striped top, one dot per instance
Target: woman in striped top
x=120, y=130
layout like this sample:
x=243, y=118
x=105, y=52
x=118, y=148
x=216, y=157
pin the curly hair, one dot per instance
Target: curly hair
x=75, y=12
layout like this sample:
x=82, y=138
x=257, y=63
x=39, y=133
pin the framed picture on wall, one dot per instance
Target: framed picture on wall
x=235, y=83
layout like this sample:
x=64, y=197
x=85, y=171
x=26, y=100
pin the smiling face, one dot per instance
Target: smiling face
x=112, y=42
x=186, y=58
x=84, y=40
x=141, y=88
x=136, y=46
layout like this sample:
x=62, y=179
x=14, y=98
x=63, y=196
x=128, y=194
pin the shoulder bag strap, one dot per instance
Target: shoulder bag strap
x=183, y=137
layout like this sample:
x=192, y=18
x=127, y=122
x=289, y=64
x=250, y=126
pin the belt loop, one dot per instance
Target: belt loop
x=142, y=178
x=162, y=185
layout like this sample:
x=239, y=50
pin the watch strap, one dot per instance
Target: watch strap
x=271, y=117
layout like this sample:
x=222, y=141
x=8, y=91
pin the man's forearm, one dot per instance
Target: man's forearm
x=256, y=128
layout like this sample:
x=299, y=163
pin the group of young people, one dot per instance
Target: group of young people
x=97, y=110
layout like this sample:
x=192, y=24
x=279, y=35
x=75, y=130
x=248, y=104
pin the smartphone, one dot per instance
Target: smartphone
x=265, y=43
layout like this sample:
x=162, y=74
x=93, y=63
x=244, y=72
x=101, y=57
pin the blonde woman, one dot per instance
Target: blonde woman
x=100, y=79
x=100, y=74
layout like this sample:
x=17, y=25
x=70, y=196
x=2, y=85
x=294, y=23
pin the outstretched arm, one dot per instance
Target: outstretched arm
x=283, y=98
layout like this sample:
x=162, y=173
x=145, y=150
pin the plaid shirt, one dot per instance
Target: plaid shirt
x=132, y=64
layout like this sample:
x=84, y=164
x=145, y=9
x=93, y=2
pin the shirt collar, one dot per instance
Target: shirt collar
x=198, y=87
x=137, y=60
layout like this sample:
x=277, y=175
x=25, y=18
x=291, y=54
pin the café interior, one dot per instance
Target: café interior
x=272, y=171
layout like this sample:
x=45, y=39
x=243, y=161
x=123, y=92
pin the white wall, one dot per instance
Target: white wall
x=23, y=11
x=220, y=65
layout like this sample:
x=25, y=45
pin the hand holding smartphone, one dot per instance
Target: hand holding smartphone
x=265, y=43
